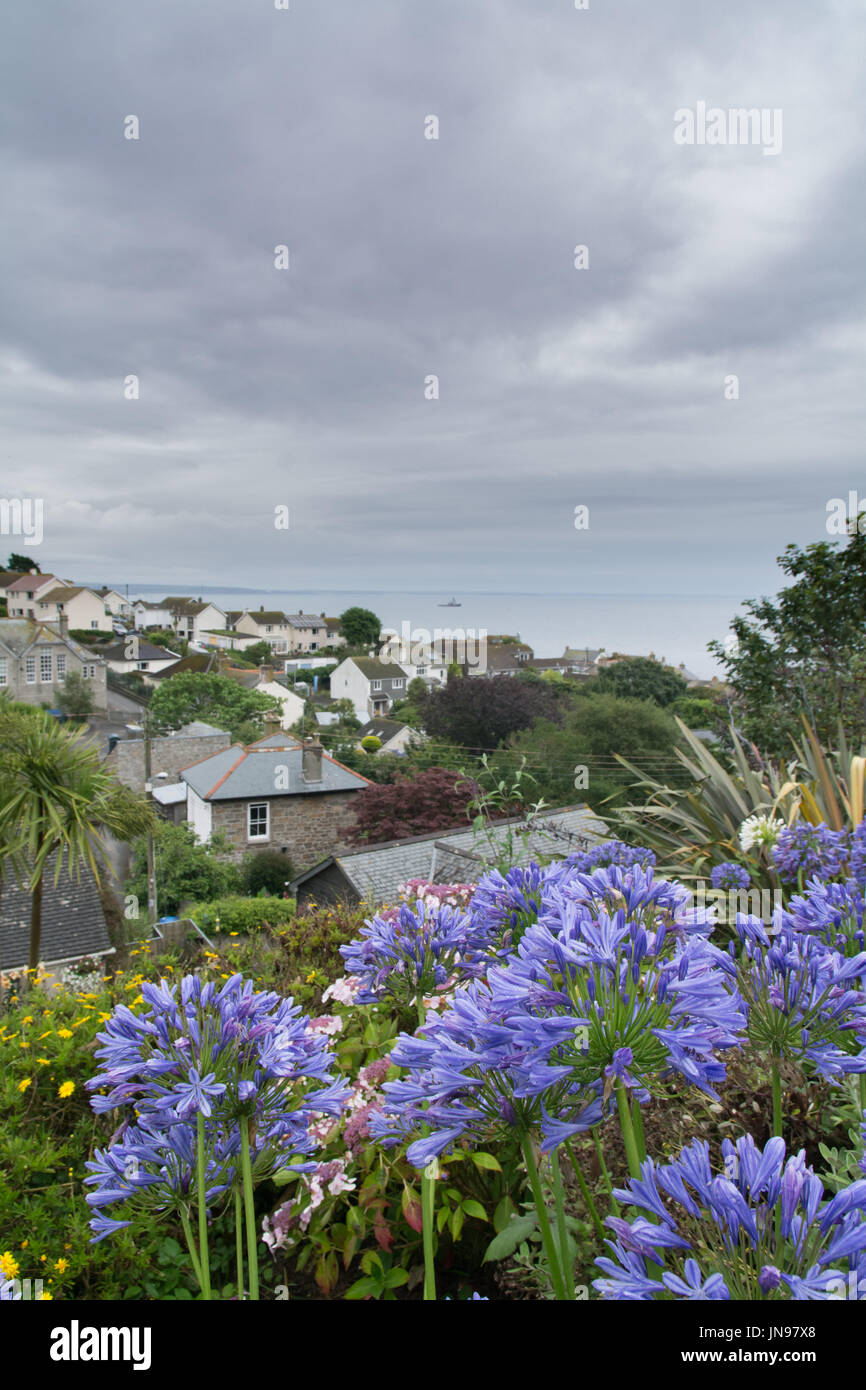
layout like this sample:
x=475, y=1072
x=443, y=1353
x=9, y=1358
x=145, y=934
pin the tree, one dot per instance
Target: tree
x=266, y=871
x=257, y=653
x=360, y=627
x=804, y=652
x=480, y=712
x=185, y=868
x=371, y=744
x=214, y=699
x=22, y=564
x=75, y=695
x=434, y=800
x=576, y=760
x=56, y=797
x=639, y=678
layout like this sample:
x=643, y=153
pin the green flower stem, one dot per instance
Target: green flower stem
x=585, y=1192
x=637, y=1120
x=628, y=1135
x=247, y=1171
x=543, y=1223
x=565, y=1261
x=239, y=1244
x=204, y=1277
x=861, y=1082
x=428, y=1205
x=777, y=1101
x=599, y=1151
x=190, y=1245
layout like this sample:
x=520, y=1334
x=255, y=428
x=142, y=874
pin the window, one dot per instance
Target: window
x=397, y=685
x=258, y=827
x=30, y=669
x=94, y=622
x=377, y=685
x=61, y=666
x=144, y=666
x=4, y=670
x=45, y=667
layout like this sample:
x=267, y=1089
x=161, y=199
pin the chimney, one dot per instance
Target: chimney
x=311, y=762
x=63, y=619
x=266, y=673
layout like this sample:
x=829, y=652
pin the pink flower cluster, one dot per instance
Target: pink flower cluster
x=437, y=894
x=344, y=990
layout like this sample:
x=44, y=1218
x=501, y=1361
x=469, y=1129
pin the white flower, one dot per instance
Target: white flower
x=762, y=831
x=343, y=990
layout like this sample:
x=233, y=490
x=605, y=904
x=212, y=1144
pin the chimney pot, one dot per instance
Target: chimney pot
x=64, y=624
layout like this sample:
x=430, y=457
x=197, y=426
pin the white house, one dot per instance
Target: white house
x=83, y=608
x=21, y=595
x=153, y=615
x=371, y=683
x=193, y=618
x=117, y=605
x=308, y=632
x=133, y=653
x=394, y=736
x=292, y=705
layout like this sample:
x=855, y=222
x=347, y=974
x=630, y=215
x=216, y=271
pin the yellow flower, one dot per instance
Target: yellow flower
x=44, y=1035
x=64, y=1033
x=311, y=977
x=8, y=1265
x=24, y=1244
x=61, y=1265
x=45, y=1297
x=43, y=1061
x=28, y=1018
x=66, y=1089
x=22, y=1085
x=43, y=1258
x=23, y=1044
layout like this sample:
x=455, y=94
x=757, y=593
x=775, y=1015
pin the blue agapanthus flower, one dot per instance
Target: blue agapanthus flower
x=832, y=911
x=729, y=875
x=759, y=1229
x=612, y=852
x=805, y=1001
x=470, y=1075
x=220, y=1056
x=813, y=851
x=416, y=951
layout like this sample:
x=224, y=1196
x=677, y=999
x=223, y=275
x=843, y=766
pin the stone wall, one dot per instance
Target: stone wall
x=310, y=826
x=169, y=754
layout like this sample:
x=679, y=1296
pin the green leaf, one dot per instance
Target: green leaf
x=473, y=1208
x=508, y=1239
x=457, y=1219
x=283, y=1176
x=441, y=1218
x=485, y=1160
x=503, y=1213
x=365, y=1288
x=395, y=1277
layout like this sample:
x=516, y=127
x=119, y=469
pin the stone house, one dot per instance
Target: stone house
x=277, y=794
x=37, y=657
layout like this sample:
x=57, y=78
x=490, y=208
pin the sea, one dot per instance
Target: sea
x=673, y=627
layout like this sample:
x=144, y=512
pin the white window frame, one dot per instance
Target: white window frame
x=45, y=664
x=61, y=666
x=377, y=685
x=4, y=670
x=256, y=806
x=30, y=670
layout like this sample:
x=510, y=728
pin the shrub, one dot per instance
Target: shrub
x=267, y=871
x=242, y=914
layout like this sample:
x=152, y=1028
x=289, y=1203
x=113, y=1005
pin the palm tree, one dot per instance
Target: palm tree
x=55, y=798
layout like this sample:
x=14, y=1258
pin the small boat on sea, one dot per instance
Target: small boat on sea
x=452, y=603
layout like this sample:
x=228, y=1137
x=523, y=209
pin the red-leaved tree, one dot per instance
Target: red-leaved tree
x=437, y=799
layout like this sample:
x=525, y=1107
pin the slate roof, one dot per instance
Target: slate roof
x=377, y=871
x=63, y=592
x=305, y=620
x=260, y=615
x=238, y=773
x=147, y=651
x=375, y=668
x=73, y=923
x=19, y=634
x=383, y=729
x=196, y=661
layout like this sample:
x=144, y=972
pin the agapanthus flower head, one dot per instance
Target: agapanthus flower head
x=612, y=852
x=759, y=1228
x=804, y=999
x=416, y=951
x=729, y=875
x=811, y=851
x=760, y=831
x=506, y=904
x=831, y=911
x=198, y=1055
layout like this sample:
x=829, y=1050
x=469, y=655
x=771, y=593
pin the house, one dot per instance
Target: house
x=504, y=659
x=370, y=682
x=266, y=625
x=169, y=753
x=133, y=653
x=308, y=632
x=117, y=605
x=151, y=615
x=291, y=705
x=375, y=873
x=394, y=736
x=83, y=608
x=35, y=658
x=22, y=593
x=333, y=632
x=274, y=794
x=191, y=618
x=73, y=920
x=207, y=662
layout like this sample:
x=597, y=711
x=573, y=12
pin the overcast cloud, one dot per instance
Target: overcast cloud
x=411, y=257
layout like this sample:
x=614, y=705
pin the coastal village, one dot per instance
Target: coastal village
x=282, y=791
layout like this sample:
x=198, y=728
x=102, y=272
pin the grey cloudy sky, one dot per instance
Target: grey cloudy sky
x=409, y=257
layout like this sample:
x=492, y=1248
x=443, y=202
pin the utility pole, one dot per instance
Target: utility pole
x=148, y=787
